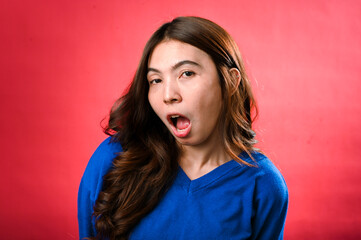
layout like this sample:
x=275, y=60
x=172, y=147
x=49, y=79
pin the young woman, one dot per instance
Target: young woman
x=180, y=162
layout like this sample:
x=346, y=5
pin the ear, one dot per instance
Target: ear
x=236, y=75
x=236, y=78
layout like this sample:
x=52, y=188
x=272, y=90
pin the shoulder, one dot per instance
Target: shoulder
x=271, y=192
x=270, y=199
x=105, y=153
x=100, y=163
x=268, y=180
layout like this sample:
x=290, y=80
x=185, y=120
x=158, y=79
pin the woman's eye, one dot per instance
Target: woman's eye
x=155, y=81
x=188, y=73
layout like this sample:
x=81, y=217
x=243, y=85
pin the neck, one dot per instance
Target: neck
x=201, y=159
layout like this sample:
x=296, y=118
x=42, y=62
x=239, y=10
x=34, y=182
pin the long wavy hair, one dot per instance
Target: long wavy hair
x=146, y=168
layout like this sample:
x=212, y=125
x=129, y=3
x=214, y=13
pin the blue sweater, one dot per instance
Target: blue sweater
x=233, y=201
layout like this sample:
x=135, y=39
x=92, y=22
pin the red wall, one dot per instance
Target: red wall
x=63, y=63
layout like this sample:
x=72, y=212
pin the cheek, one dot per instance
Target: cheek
x=210, y=99
x=154, y=104
x=212, y=106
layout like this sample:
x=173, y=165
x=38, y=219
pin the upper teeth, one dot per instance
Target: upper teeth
x=174, y=116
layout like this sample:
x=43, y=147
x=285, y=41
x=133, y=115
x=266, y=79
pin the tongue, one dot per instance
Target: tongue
x=182, y=123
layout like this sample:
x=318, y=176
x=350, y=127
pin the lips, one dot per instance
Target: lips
x=180, y=124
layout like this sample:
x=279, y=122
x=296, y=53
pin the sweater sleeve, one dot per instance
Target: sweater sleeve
x=91, y=184
x=271, y=203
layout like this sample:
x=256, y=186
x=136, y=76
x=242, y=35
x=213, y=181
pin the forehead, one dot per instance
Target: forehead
x=170, y=52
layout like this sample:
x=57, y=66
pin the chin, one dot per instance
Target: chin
x=184, y=141
x=188, y=141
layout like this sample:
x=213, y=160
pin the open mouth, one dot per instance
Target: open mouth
x=174, y=119
x=180, y=124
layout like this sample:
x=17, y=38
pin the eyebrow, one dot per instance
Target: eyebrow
x=177, y=65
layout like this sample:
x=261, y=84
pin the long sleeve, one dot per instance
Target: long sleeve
x=91, y=184
x=85, y=210
x=271, y=203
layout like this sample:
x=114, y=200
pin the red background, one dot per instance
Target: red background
x=63, y=63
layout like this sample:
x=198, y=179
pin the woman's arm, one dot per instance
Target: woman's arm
x=85, y=210
x=271, y=203
x=91, y=184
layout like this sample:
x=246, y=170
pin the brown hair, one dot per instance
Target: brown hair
x=143, y=172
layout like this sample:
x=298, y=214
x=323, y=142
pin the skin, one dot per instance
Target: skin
x=184, y=80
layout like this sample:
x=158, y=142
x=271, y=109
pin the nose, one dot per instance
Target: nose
x=171, y=92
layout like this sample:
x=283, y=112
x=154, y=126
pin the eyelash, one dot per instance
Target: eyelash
x=185, y=74
x=155, y=81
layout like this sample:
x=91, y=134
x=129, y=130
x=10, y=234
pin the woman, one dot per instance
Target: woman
x=180, y=162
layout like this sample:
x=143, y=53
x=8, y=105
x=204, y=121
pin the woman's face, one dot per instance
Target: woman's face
x=185, y=91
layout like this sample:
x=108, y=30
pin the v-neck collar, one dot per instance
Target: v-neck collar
x=196, y=184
